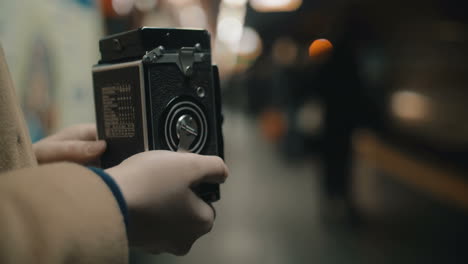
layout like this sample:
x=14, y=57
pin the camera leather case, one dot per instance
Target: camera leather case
x=156, y=89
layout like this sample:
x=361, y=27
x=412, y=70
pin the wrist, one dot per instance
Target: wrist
x=116, y=191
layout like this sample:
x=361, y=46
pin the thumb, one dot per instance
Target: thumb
x=211, y=169
x=69, y=150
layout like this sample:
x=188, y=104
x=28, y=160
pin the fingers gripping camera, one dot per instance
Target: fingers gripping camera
x=157, y=89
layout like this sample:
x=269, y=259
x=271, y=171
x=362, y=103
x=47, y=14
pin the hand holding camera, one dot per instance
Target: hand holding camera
x=74, y=144
x=158, y=107
x=164, y=214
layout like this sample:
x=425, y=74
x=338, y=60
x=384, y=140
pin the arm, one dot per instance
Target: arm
x=62, y=213
x=59, y=213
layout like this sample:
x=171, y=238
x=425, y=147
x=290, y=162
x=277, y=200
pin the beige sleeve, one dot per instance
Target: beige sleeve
x=15, y=144
x=59, y=213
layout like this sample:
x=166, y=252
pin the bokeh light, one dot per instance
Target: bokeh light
x=285, y=51
x=410, y=105
x=192, y=16
x=273, y=124
x=230, y=31
x=123, y=7
x=275, y=5
x=250, y=43
x=145, y=5
x=320, y=50
x=235, y=3
x=180, y=2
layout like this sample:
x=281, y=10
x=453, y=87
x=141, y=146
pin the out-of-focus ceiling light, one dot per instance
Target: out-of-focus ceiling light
x=275, y=5
x=145, y=5
x=229, y=31
x=235, y=2
x=122, y=7
x=410, y=106
x=285, y=51
x=192, y=16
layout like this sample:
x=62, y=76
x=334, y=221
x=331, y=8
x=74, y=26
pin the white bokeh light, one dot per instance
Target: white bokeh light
x=275, y=5
x=250, y=42
x=145, y=5
x=230, y=31
x=235, y=3
x=192, y=16
x=409, y=105
x=180, y=2
x=122, y=7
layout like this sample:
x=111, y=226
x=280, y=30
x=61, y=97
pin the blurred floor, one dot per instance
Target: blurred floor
x=270, y=213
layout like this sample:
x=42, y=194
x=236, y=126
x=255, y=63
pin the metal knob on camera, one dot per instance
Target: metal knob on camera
x=187, y=132
x=185, y=126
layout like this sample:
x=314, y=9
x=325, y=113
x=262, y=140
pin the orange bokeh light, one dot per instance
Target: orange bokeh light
x=320, y=49
x=273, y=125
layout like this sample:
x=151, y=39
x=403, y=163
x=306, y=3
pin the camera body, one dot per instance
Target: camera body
x=156, y=89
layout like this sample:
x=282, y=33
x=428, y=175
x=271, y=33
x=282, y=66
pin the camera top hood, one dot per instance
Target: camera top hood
x=133, y=45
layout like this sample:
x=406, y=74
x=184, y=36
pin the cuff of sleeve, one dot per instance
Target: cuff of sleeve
x=115, y=191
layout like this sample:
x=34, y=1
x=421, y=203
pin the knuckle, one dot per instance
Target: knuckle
x=72, y=148
x=222, y=169
x=182, y=249
x=69, y=147
x=205, y=220
x=194, y=165
x=86, y=131
x=218, y=159
x=207, y=228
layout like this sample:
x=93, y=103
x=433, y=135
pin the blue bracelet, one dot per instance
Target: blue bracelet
x=115, y=191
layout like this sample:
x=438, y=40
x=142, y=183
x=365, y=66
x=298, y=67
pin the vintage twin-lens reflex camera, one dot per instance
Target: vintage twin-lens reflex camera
x=156, y=89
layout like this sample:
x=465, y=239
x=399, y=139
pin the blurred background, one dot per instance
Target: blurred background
x=345, y=120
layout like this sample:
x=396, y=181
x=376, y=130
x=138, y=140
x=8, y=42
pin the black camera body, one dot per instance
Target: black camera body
x=156, y=89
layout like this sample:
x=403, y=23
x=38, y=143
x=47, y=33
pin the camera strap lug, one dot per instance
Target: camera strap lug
x=184, y=58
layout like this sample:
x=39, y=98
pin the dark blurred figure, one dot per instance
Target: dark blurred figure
x=347, y=107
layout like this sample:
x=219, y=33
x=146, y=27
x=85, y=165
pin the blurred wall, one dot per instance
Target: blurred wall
x=50, y=48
